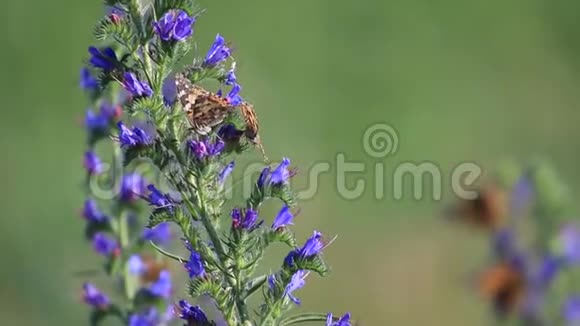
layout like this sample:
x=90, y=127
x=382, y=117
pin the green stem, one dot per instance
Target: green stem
x=239, y=291
x=136, y=17
x=167, y=253
x=213, y=235
x=255, y=285
x=130, y=286
x=303, y=318
x=240, y=284
x=221, y=253
x=148, y=66
x=267, y=320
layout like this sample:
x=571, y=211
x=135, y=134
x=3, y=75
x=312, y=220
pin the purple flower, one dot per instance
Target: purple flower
x=105, y=59
x=234, y=95
x=312, y=246
x=164, y=27
x=149, y=317
x=97, y=123
x=115, y=14
x=183, y=29
x=133, y=137
x=283, y=218
x=205, y=148
x=193, y=315
x=215, y=148
x=169, y=91
x=104, y=244
x=250, y=219
x=162, y=287
x=132, y=187
x=198, y=148
x=92, y=163
x=296, y=282
x=115, y=18
x=142, y=137
x=136, y=87
x=195, y=265
x=236, y=217
x=92, y=213
x=503, y=243
x=87, y=81
x=218, y=52
x=548, y=269
x=281, y=174
x=245, y=221
x=160, y=234
x=94, y=297
x=230, y=133
x=264, y=177
x=226, y=172
x=230, y=77
x=522, y=194
x=136, y=266
x=174, y=25
x=570, y=243
x=157, y=198
x=110, y=112
x=343, y=321
x=272, y=281
x=126, y=135
x=571, y=310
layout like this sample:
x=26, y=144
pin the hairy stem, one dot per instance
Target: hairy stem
x=137, y=19
x=239, y=289
x=234, y=283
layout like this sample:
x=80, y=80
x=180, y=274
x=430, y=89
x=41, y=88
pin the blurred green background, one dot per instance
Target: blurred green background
x=461, y=81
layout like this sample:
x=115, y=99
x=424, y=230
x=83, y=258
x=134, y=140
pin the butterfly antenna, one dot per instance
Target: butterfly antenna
x=266, y=159
x=258, y=142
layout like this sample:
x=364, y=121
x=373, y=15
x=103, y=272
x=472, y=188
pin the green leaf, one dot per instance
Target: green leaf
x=213, y=288
x=314, y=263
x=285, y=194
x=148, y=105
x=162, y=6
x=120, y=31
x=302, y=318
x=283, y=235
x=161, y=215
x=253, y=285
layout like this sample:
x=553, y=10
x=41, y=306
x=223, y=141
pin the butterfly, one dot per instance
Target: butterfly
x=203, y=108
x=206, y=110
x=152, y=268
x=487, y=211
x=504, y=285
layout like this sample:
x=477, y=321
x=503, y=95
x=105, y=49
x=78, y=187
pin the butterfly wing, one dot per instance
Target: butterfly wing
x=204, y=109
x=252, y=124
